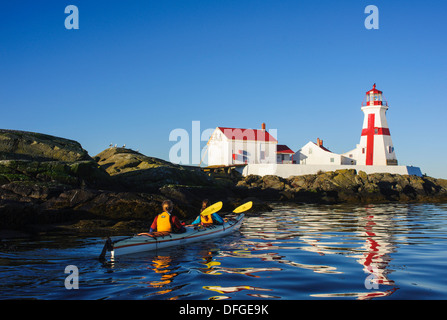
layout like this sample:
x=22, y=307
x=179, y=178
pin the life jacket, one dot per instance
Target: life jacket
x=206, y=219
x=164, y=222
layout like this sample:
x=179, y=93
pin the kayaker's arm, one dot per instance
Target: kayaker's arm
x=177, y=225
x=197, y=221
x=217, y=219
x=154, y=225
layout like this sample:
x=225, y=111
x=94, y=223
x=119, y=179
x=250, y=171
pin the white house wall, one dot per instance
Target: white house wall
x=313, y=154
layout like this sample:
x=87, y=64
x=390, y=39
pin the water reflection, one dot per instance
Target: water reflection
x=357, y=295
x=366, y=234
x=232, y=289
x=161, y=265
x=378, y=246
x=244, y=271
x=158, y=272
x=285, y=231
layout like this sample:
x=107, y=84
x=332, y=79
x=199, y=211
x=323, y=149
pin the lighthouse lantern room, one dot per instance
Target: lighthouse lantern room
x=374, y=97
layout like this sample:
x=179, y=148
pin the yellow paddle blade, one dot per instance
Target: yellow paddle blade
x=212, y=209
x=246, y=206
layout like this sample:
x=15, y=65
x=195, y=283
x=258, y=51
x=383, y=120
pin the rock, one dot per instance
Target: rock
x=74, y=174
x=273, y=182
x=122, y=160
x=345, y=186
x=36, y=146
x=149, y=180
x=137, y=172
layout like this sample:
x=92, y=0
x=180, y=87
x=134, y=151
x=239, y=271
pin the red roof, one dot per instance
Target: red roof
x=325, y=149
x=247, y=134
x=282, y=148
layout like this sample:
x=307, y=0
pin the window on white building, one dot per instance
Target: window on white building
x=332, y=159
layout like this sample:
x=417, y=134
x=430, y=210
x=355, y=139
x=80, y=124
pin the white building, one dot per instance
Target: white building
x=316, y=153
x=284, y=154
x=229, y=146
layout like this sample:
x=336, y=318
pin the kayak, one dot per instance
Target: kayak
x=142, y=242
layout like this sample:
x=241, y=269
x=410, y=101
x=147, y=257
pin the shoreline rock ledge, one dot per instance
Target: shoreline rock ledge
x=346, y=186
x=51, y=184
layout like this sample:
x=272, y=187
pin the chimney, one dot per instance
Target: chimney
x=263, y=126
x=319, y=142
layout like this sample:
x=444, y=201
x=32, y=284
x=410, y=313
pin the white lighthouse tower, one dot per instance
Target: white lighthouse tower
x=376, y=147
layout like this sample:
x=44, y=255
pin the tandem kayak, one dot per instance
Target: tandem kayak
x=119, y=246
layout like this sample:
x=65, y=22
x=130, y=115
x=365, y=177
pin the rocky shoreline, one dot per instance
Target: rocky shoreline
x=51, y=184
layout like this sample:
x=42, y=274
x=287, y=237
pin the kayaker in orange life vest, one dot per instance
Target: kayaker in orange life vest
x=166, y=221
x=208, y=219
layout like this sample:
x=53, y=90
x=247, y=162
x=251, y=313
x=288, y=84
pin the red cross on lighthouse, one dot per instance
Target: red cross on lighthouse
x=370, y=132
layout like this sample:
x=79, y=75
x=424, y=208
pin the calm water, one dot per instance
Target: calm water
x=305, y=252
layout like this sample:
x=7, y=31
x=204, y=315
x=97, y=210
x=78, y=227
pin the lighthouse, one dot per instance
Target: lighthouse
x=376, y=147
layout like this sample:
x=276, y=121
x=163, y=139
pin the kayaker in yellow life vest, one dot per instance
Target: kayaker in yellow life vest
x=166, y=221
x=208, y=219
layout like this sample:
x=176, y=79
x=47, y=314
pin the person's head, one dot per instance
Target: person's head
x=167, y=206
x=205, y=204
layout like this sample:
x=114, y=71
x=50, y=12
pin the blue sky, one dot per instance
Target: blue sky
x=136, y=70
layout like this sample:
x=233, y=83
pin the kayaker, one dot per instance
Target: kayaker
x=166, y=221
x=208, y=219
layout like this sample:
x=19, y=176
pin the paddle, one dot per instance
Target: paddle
x=217, y=206
x=246, y=206
x=212, y=209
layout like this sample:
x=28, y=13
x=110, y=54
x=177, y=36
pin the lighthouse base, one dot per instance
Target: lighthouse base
x=288, y=170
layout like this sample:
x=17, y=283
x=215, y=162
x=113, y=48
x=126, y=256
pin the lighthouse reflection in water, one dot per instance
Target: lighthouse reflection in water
x=367, y=236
